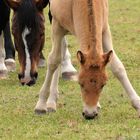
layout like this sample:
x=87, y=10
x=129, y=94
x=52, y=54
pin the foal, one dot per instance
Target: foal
x=88, y=21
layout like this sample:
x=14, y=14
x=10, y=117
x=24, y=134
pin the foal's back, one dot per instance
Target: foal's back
x=73, y=14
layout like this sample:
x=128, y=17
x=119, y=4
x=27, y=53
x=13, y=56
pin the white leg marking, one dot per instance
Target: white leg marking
x=3, y=69
x=28, y=60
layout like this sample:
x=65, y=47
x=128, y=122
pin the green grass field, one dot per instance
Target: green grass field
x=117, y=119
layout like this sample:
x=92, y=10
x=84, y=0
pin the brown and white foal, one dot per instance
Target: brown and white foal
x=88, y=21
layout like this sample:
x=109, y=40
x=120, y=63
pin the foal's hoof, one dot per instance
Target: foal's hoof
x=51, y=110
x=70, y=76
x=40, y=107
x=42, y=62
x=40, y=112
x=10, y=64
x=3, y=74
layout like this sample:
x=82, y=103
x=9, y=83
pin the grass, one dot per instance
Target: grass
x=117, y=119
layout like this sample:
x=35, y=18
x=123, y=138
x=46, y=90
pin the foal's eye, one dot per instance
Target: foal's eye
x=102, y=86
x=81, y=85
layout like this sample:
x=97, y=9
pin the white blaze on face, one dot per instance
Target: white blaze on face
x=28, y=60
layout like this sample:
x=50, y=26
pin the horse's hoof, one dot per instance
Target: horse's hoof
x=70, y=76
x=40, y=112
x=50, y=110
x=42, y=62
x=10, y=64
x=3, y=74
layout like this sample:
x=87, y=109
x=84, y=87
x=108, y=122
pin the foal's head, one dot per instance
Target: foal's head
x=28, y=30
x=92, y=78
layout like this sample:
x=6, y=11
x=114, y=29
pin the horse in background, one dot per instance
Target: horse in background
x=88, y=21
x=8, y=44
x=29, y=36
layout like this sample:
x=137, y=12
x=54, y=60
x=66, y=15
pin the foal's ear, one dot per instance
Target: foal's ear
x=14, y=4
x=107, y=57
x=81, y=57
x=41, y=4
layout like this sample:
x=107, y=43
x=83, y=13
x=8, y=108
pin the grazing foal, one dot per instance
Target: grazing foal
x=88, y=21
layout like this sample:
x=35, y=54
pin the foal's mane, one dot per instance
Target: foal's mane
x=92, y=24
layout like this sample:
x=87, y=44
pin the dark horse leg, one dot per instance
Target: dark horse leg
x=9, y=49
x=4, y=17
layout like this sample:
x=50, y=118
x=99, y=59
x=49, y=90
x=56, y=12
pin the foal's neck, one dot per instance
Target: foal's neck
x=88, y=25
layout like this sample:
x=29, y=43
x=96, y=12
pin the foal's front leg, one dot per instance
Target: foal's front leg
x=54, y=60
x=3, y=69
x=52, y=99
x=119, y=71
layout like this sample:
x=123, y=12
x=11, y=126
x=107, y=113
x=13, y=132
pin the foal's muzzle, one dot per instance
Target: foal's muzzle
x=89, y=116
x=28, y=81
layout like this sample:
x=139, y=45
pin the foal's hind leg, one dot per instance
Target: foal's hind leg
x=54, y=60
x=67, y=69
x=3, y=69
x=119, y=71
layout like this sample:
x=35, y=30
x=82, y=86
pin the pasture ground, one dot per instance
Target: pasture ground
x=117, y=119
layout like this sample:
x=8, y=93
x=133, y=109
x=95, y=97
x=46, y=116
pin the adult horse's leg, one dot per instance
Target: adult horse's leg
x=67, y=69
x=9, y=49
x=3, y=69
x=54, y=60
x=119, y=71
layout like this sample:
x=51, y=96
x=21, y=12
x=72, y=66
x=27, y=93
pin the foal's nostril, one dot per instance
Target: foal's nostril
x=83, y=113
